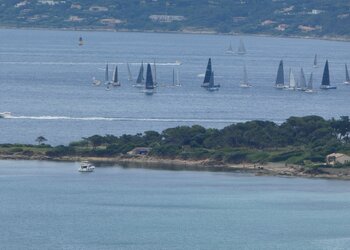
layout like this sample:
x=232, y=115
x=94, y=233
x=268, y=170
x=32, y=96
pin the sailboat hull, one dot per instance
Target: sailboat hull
x=326, y=87
x=279, y=86
x=347, y=82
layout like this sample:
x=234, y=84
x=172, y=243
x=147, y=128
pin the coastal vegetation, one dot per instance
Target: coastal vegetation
x=285, y=17
x=305, y=141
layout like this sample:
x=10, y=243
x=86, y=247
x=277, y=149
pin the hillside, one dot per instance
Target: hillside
x=319, y=18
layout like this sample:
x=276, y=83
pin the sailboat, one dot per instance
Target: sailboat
x=292, y=83
x=129, y=73
x=245, y=83
x=309, y=88
x=347, y=77
x=241, y=48
x=140, y=78
x=302, y=81
x=115, y=81
x=81, y=41
x=325, y=79
x=230, y=50
x=149, y=86
x=208, y=71
x=208, y=82
x=315, y=62
x=279, y=84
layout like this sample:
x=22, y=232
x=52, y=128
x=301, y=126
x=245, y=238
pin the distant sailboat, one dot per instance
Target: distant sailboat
x=140, y=78
x=241, y=48
x=129, y=73
x=115, y=81
x=81, y=41
x=347, y=77
x=207, y=75
x=149, y=86
x=208, y=82
x=326, y=79
x=315, y=62
x=245, y=83
x=302, y=80
x=229, y=49
x=279, y=84
x=309, y=88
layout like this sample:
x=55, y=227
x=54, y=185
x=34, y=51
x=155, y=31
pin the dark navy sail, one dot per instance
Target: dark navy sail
x=149, y=78
x=280, y=76
x=326, y=83
x=207, y=73
x=325, y=78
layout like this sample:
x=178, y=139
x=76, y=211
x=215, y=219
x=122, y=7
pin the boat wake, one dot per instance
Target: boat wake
x=126, y=119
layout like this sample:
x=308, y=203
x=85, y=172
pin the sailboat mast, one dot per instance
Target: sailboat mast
x=347, y=77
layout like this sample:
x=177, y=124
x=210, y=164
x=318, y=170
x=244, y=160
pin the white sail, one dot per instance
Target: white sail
x=229, y=49
x=292, y=82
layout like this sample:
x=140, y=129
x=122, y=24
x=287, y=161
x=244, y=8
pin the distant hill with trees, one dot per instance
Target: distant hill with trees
x=315, y=18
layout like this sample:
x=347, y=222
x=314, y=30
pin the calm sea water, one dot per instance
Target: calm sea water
x=49, y=205
x=45, y=81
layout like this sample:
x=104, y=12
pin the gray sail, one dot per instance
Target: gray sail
x=309, y=84
x=315, y=61
x=245, y=75
x=347, y=77
x=302, y=80
x=106, y=73
x=140, y=77
x=149, y=78
x=174, y=77
x=280, y=74
x=129, y=72
x=207, y=72
x=325, y=78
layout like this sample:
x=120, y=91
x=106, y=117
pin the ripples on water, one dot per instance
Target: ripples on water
x=46, y=77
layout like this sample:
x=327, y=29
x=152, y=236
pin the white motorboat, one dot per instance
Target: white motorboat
x=5, y=115
x=86, y=166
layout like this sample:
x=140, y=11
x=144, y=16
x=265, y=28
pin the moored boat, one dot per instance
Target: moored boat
x=86, y=167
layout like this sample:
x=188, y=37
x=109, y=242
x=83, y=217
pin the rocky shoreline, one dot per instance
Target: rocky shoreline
x=268, y=169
